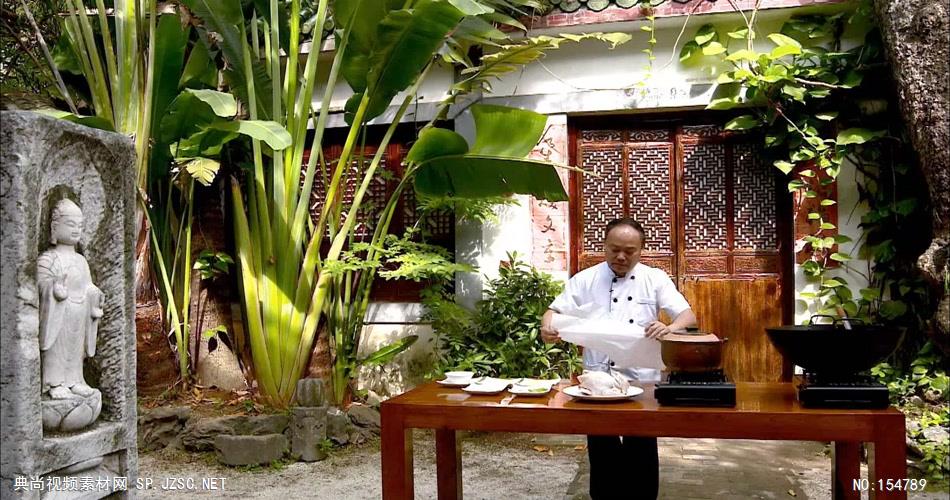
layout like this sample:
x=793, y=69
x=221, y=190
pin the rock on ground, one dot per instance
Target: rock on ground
x=250, y=450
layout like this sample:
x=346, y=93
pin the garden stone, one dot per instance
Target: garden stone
x=912, y=447
x=934, y=397
x=308, y=430
x=935, y=434
x=913, y=427
x=199, y=435
x=250, y=450
x=364, y=416
x=357, y=437
x=362, y=434
x=338, y=426
x=373, y=399
x=310, y=393
x=67, y=334
x=161, y=427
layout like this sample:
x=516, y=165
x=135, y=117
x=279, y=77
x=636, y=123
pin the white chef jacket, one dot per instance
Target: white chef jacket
x=636, y=298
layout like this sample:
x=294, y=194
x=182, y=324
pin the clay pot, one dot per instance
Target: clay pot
x=691, y=351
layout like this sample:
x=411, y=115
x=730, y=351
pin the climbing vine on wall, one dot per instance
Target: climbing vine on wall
x=817, y=104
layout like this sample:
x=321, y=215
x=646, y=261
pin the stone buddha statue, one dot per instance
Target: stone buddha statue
x=70, y=306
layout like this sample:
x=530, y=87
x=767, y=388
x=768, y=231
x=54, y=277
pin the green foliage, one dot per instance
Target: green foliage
x=922, y=393
x=290, y=280
x=23, y=74
x=493, y=166
x=927, y=377
x=480, y=210
x=326, y=445
x=512, y=55
x=211, y=264
x=813, y=113
x=502, y=336
x=213, y=332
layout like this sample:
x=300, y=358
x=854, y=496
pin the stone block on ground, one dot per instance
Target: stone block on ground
x=160, y=427
x=199, y=435
x=308, y=430
x=250, y=450
x=373, y=399
x=364, y=416
x=310, y=393
x=935, y=434
x=338, y=426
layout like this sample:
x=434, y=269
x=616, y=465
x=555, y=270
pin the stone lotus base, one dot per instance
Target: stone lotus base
x=66, y=415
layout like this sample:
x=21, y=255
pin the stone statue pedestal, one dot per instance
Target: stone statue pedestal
x=67, y=415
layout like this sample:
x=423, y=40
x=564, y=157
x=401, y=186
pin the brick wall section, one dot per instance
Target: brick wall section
x=668, y=9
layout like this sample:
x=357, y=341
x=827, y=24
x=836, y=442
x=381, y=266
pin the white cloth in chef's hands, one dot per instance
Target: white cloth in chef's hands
x=603, y=383
x=626, y=344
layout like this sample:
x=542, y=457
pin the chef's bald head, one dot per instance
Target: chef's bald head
x=627, y=222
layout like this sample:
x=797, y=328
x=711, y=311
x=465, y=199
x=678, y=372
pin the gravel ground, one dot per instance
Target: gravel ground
x=515, y=466
x=495, y=466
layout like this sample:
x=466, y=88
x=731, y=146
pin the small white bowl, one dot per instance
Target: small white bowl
x=458, y=376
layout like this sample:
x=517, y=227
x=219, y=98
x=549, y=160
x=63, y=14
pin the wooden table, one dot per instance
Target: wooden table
x=762, y=411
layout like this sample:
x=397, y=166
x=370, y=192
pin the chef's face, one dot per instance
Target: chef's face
x=622, y=249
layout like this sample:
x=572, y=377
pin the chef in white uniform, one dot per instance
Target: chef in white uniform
x=635, y=293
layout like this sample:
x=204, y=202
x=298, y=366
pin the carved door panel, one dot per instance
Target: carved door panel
x=730, y=270
x=711, y=212
x=633, y=178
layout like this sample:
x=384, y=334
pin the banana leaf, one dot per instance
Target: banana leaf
x=495, y=166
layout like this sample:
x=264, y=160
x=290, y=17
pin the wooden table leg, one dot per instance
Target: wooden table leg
x=845, y=469
x=448, y=459
x=887, y=462
x=396, y=447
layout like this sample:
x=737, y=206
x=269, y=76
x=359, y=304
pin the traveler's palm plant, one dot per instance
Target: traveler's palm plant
x=292, y=270
x=149, y=77
x=383, y=49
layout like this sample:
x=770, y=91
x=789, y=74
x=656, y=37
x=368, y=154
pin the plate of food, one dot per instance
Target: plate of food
x=487, y=385
x=602, y=386
x=579, y=392
x=532, y=386
x=526, y=390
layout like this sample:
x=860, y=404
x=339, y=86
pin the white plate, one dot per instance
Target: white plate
x=488, y=385
x=574, y=392
x=448, y=383
x=521, y=390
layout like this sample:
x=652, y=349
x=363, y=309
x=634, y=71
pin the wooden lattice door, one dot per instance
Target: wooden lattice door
x=438, y=229
x=712, y=215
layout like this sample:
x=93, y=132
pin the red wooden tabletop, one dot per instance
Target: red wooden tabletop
x=762, y=411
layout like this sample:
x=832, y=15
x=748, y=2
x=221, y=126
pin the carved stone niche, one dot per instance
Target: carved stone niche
x=70, y=434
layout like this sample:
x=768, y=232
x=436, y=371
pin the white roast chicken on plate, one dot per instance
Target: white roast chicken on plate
x=596, y=383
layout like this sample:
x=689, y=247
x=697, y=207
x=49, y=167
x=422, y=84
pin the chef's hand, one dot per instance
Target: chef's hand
x=656, y=330
x=549, y=335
